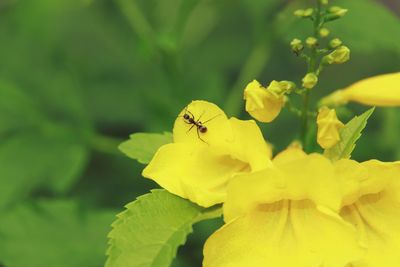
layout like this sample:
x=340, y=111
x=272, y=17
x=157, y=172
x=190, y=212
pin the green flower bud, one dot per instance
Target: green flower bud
x=299, y=13
x=339, y=56
x=335, y=12
x=335, y=43
x=304, y=13
x=310, y=80
x=324, y=32
x=308, y=12
x=297, y=46
x=311, y=42
x=278, y=89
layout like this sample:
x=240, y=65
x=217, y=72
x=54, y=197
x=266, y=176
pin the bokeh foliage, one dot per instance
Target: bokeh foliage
x=78, y=76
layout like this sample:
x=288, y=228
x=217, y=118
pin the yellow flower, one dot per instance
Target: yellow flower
x=382, y=90
x=373, y=208
x=285, y=216
x=262, y=104
x=200, y=161
x=328, y=128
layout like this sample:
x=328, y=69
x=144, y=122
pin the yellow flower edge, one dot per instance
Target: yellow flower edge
x=198, y=165
x=382, y=90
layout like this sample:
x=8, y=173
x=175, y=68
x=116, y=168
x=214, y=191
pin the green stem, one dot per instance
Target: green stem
x=105, y=144
x=312, y=67
x=137, y=20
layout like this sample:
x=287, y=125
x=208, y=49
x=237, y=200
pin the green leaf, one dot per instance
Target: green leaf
x=150, y=230
x=54, y=233
x=143, y=146
x=17, y=110
x=349, y=135
x=29, y=160
x=34, y=151
x=360, y=34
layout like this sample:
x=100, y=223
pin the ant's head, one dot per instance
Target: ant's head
x=186, y=116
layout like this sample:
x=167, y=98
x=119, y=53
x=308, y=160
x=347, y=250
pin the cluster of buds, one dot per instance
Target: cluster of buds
x=335, y=52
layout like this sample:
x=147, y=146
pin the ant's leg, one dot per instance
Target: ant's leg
x=198, y=135
x=198, y=120
x=190, y=113
x=211, y=119
x=190, y=127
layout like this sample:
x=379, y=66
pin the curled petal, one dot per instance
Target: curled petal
x=249, y=144
x=262, y=104
x=196, y=172
x=284, y=234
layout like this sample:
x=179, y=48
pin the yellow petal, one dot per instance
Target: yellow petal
x=376, y=214
x=249, y=144
x=295, y=177
x=351, y=175
x=283, y=234
x=194, y=171
x=370, y=177
x=382, y=90
x=262, y=104
x=328, y=128
x=218, y=133
x=377, y=219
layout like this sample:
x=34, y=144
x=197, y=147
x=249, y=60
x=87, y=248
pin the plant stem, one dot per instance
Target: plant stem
x=312, y=65
x=105, y=144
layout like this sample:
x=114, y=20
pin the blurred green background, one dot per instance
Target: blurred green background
x=78, y=76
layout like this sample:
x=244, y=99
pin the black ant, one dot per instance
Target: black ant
x=190, y=119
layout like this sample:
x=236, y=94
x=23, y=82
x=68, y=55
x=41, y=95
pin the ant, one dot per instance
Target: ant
x=190, y=119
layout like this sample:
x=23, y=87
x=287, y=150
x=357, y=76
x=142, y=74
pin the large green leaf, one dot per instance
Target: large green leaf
x=33, y=149
x=150, y=230
x=143, y=146
x=368, y=26
x=349, y=135
x=53, y=233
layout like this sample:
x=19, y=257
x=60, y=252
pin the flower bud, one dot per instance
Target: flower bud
x=261, y=103
x=297, y=46
x=335, y=43
x=304, y=13
x=324, y=32
x=310, y=80
x=278, y=89
x=339, y=56
x=335, y=13
x=311, y=42
x=328, y=128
